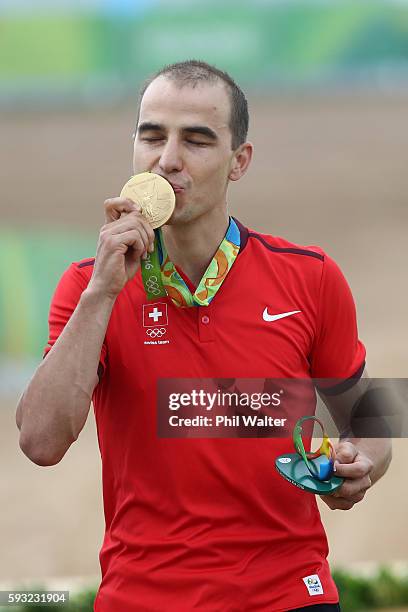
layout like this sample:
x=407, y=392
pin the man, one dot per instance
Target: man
x=198, y=524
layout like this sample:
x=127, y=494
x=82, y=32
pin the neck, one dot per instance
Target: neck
x=192, y=246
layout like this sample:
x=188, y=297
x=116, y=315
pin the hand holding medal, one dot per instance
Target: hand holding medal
x=157, y=201
x=127, y=240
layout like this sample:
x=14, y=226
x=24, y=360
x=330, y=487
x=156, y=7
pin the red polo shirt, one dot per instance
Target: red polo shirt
x=208, y=524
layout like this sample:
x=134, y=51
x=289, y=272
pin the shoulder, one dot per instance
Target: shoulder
x=278, y=246
x=85, y=265
x=309, y=265
x=82, y=268
x=75, y=278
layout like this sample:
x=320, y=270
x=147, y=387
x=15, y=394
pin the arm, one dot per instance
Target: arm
x=361, y=461
x=54, y=407
x=339, y=355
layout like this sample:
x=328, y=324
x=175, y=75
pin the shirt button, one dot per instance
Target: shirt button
x=205, y=320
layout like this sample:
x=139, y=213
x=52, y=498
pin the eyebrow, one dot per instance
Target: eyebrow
x=201, y=129
x=147, y=126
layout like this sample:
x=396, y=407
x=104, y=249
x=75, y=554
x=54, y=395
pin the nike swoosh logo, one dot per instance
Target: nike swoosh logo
x=274, y=317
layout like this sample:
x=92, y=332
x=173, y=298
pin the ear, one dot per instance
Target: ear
x=240, y=161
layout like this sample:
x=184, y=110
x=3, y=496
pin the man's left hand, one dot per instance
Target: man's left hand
x=355, y=467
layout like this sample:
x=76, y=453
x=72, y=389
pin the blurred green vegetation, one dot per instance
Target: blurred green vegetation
x=260, y=43
x=384, y=589
x=26, y=286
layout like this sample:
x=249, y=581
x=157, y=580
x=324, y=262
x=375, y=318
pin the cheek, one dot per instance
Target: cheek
x=141, y=158
x=136, y=159
x=213, y=172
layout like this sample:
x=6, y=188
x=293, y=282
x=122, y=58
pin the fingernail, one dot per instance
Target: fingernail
x=144, y=255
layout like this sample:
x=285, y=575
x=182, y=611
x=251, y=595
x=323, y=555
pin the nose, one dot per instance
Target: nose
x=170, y=158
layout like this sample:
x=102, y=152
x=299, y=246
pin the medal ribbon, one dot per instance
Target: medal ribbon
x=160, y=277
x=151, y=273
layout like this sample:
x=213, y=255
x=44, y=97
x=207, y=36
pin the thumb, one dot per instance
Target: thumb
x=346, y=452
x=115, y=207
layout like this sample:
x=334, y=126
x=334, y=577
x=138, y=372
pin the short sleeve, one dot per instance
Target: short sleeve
x=63, y=303
x=337, y=351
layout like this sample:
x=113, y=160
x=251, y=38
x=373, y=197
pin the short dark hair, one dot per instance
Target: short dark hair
x=192, y=72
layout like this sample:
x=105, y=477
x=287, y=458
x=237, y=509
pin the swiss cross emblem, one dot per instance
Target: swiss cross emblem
x=155, y=315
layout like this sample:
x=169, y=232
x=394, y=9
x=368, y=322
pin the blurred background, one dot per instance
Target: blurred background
x=327, y=84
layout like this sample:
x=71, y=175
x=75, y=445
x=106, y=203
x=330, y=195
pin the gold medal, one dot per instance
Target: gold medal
x=154, y=194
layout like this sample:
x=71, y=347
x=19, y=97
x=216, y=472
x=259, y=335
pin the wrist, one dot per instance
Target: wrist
x=94, y=295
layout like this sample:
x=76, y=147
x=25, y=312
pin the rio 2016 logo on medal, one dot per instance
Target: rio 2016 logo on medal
x=310, y=471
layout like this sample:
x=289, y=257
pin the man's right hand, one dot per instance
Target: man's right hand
x=124, y=240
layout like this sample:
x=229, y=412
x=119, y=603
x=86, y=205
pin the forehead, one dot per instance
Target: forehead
x=171, y=104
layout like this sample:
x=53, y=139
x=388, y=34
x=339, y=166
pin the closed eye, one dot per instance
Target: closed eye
x=160, y=138
x=151, y=139
x=199, y=144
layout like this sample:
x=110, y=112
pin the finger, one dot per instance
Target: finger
x=115, y=207
x=344, y=503
x=346, y=452
x=358, y=469
x=143, y=228
x=132, y=221
x=125, y=240
x=150, y=234
x=129, y=222
x=358, y=497
x=352, y=487
x=336, y=503
x=140, y=244
x=134, y=255
x=354, y=499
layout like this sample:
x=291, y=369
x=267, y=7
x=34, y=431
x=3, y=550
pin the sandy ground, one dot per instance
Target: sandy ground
x=327, y=171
